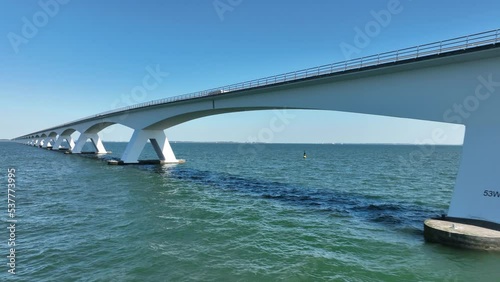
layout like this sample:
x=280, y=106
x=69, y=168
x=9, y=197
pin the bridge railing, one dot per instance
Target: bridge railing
x=436, y=48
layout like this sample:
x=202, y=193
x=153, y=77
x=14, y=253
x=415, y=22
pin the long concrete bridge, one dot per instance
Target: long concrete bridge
x=454, y=81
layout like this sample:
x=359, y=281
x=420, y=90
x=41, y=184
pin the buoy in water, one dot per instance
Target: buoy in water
x=305, y=156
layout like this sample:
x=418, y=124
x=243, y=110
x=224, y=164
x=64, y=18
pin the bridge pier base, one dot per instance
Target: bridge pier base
x=158, y=140
x=96, y=140
x=476, y=197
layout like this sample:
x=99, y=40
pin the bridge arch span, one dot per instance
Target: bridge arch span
x=90, y=131
x=174, y=120
x=64, y=134
x=68, y=132
x=98, y=127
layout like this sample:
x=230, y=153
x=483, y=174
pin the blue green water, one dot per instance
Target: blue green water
x=236, y=213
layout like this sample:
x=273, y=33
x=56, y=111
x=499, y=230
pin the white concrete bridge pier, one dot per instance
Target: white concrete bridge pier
x=42, y=141
x=96, y=141
x=477, y=188
x=473, y=219
x=159, y=142
x=47, y=142
x=60, y=141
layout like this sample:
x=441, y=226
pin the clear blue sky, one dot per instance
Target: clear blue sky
x=89, y=54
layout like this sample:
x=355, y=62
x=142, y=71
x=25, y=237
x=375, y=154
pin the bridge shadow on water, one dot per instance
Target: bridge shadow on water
x=406, y=217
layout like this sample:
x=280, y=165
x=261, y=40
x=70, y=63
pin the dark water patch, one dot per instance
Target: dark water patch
x=340, y=203
x=382, y=207
x=388, y=219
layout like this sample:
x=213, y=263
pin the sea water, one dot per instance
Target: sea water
x=235, y=212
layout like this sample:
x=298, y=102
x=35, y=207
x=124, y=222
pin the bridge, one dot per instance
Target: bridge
x=452, y=81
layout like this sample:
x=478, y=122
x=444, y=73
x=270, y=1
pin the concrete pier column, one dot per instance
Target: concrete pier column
x=477, y=189
x=158, y=140
x=61, y=139
x=473, y=220
x=96, y=140
x=58, y=143
x=47, y=142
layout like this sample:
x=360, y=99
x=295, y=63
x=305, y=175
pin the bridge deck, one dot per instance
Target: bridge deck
x=465, y=44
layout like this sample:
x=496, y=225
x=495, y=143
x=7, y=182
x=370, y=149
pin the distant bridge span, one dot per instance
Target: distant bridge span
x=452, y=81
